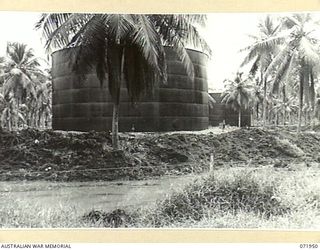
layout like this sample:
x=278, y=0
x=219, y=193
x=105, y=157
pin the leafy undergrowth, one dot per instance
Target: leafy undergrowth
x=260, y=198
x=60, y=156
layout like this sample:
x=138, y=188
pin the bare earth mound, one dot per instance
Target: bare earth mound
x=60, y=156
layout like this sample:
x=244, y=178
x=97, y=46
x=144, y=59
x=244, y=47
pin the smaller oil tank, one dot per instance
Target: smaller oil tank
x=221, y=111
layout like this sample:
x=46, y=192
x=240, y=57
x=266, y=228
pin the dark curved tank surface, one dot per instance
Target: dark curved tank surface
x=82, y=105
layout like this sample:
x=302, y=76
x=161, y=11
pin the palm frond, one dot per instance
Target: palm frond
x=184, y=57
x=211, y=101
x=282, y=72
x=278, y=59
x=140, y=76
x=92, y=49
x=176, y=31
x=49, y=23
x=308, y=52
x=110, y=43
x=148, y=41
x=197, y=19
x=119, y=26
x=58, y=36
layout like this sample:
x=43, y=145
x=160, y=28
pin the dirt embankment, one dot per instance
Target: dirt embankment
x=49, y=155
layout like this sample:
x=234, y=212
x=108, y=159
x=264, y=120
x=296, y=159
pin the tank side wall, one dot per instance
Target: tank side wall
x=81, y=103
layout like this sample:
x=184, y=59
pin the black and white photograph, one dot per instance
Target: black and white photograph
x=119, y=120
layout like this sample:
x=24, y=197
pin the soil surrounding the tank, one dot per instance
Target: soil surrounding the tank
x=71, y=156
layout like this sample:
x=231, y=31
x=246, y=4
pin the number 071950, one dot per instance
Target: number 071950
x=309, y=246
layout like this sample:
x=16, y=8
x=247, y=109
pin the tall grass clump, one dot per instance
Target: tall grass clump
x=28, y=214
x=237, y=191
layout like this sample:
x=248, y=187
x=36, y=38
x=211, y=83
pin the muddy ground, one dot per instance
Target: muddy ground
x=60, y=156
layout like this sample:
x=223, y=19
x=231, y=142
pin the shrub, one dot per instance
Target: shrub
x=240, y=191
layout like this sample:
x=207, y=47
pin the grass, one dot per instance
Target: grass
x=262, y=197
x=18, y=213
x=236, y=198
x=225, y=193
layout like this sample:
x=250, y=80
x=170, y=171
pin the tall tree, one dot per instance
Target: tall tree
x=300, y=56
x=238, y=94
x=286, y=107
x=20, y=73
x=260, y=53
x=124, y=48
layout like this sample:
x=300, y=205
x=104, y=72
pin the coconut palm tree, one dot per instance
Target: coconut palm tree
x=285, y=107
x=260, y=53
x=298, y=56
x=124, y=48
x=20, y=69
x=11, y=115
x=238, y=94
x=20, y=73
x=42, y=106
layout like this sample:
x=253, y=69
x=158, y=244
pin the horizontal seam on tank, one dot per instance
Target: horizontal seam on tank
x=164, y=46
x=169, y=74
x=69, y=103
x=181, y=63
x=186, y=90
x=70, y=64
x=160, y=102
x=140, y=117
x=160, y=89
x=168, y=62
x=186, y=76
x=66, y=89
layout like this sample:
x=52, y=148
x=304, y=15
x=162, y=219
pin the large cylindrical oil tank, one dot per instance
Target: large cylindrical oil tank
x=81, y=104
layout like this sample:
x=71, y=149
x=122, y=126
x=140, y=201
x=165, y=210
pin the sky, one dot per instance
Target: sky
x=226, y=33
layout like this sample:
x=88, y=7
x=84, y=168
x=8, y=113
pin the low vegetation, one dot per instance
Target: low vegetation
x=226, y=198
x=231, y=198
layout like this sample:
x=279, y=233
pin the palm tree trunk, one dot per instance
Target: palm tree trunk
x=115, y=125
x=9, y=125
x=305, y=117
x=312, y=99
x=116, y=105
x=240, y=102
x=289, y=118
x=38, y=125
x=18, y=120
x=284, y=98
x=300, y=101
x=252, y=116
x=314, y=119
x=264, y=111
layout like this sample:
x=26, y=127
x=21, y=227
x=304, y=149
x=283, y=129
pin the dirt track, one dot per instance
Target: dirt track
x=58, y=156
